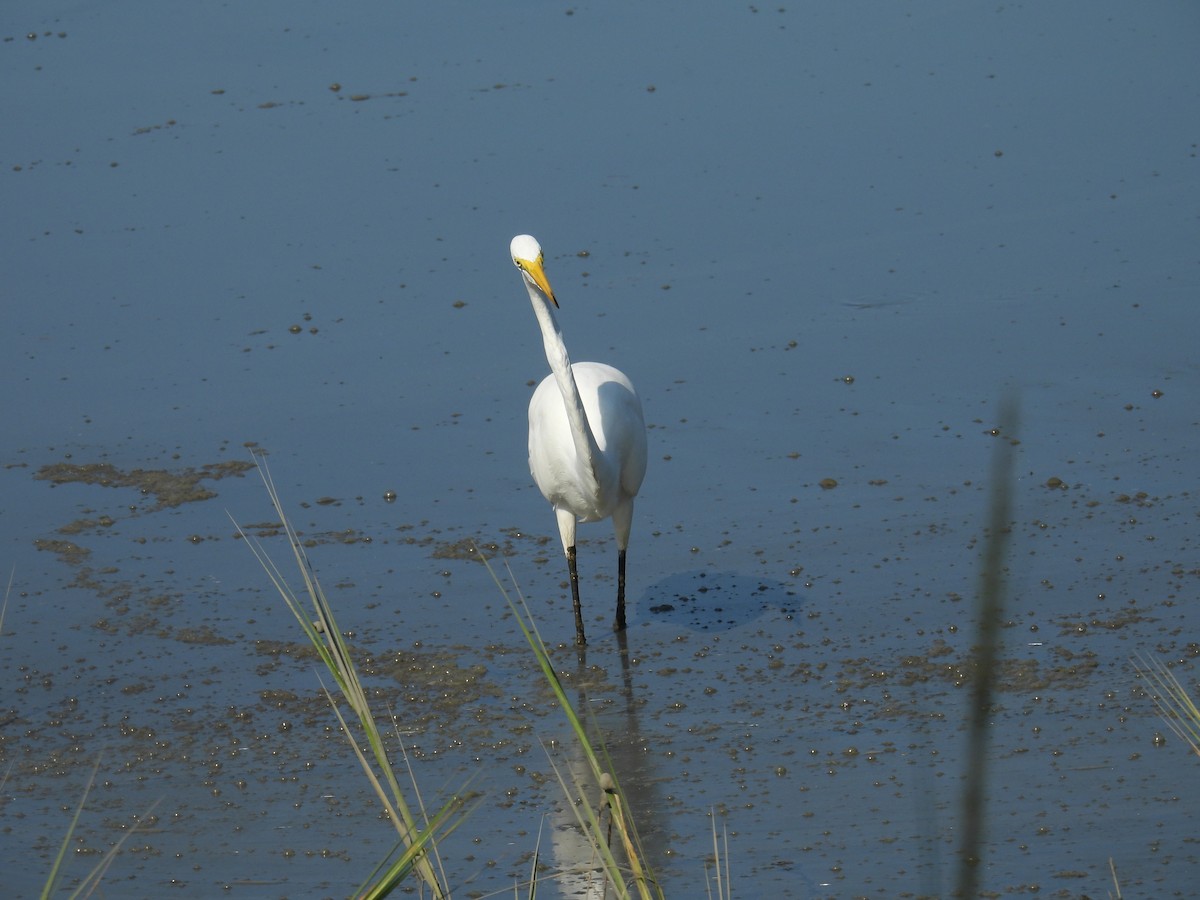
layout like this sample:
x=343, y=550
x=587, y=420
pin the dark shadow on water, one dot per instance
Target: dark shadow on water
x=706, y=600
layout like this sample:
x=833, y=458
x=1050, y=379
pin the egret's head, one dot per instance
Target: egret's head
x=527, y=256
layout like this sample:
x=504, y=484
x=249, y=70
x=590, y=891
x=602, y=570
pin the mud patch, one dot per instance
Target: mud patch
x=67, y=551
x=169, y=488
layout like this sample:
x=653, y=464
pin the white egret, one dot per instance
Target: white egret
x=587, y=437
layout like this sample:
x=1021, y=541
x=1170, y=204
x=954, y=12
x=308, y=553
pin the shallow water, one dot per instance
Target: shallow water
x=824, y=243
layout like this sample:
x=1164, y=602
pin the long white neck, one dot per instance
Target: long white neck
x=560, y=364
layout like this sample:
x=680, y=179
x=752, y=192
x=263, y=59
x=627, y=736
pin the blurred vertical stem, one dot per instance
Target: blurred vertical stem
x=991, y=611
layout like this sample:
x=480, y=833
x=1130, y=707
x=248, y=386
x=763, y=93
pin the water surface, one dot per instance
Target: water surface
x=824, y=241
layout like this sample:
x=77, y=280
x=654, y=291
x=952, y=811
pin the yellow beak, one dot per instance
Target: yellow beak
x=533, y=268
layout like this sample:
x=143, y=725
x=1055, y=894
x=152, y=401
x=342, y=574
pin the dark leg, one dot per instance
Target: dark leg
x=619, y=624
x=579, y=638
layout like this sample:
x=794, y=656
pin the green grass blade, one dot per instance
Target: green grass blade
x=533, y=867
x=90, y=882
x=602, y=769
x=56, y=866
x=443, y=823
x=321, y=628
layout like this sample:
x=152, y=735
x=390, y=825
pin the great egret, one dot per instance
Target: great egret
x=587, y=437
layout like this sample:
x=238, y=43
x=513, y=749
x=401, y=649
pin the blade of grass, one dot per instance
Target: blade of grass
x=323, y=633
x=7, y=592
x=56, y=866
x=533, y=867
x=604, y=775
x=443, y=823
x=724, y=891
x=412, y=780
x=91, y=881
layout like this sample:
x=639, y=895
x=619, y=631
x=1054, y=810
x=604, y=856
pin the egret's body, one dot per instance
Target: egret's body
x=587, y=436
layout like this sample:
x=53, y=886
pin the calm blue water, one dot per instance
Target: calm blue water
x=823, y=239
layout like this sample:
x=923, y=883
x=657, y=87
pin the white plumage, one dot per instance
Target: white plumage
x=587, y=436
